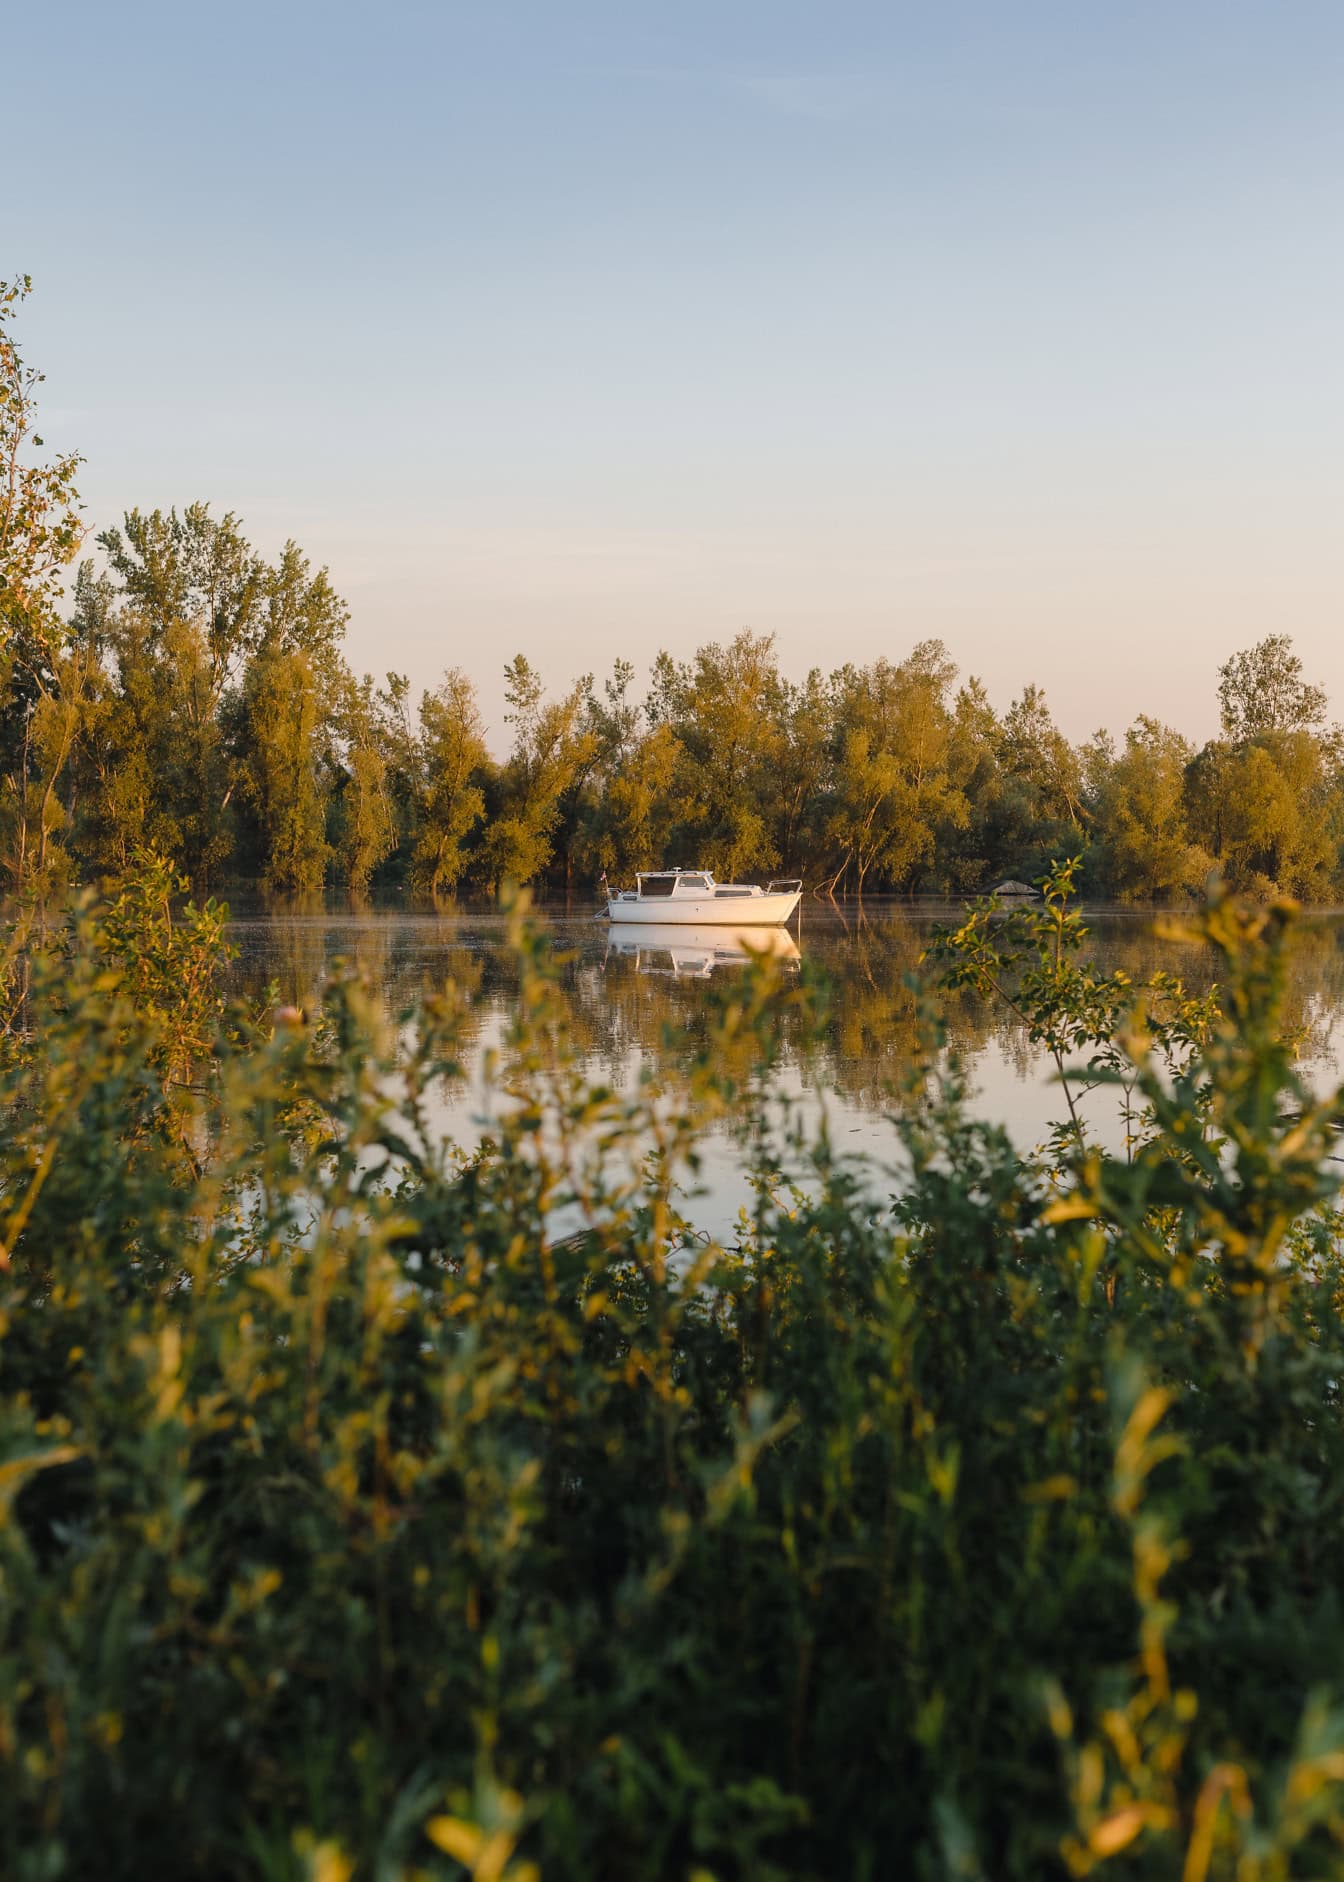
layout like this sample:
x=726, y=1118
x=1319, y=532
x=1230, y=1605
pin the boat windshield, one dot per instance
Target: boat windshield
x=694, y=882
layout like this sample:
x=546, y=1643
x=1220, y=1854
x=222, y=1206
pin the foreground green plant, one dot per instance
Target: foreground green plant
x=1030, y=958
x=370, y=1510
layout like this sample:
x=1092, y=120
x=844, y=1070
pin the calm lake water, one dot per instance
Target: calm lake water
x=623, y=988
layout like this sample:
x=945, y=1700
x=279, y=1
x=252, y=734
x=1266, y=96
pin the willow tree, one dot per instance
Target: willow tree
x=1269, y=811
x=964, y=847
x=892, y=787
x=453, y=765
x=366, y=827
x=1267, y=799
x=553, y=747
x=283, y=786
x=1262, y=692
x=624, y=820
x=807, y=729
x=1141, y=816
x=43, y=681
x=1032, y=803
x=726, y=711
x=190, y=594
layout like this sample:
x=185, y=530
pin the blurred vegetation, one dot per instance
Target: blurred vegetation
x=193, y=694
x=372, y=1510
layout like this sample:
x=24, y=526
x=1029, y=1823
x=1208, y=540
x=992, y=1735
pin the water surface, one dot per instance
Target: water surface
x=624, y=990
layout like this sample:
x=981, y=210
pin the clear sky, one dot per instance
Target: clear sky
x=589, y=327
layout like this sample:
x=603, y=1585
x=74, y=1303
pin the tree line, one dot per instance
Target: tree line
x=184, y=691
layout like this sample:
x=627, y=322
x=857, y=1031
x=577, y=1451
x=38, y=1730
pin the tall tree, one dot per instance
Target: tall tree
x=1269, y=811
x=283, y=782
x=192, y=569
x=725, y=710
x=966, y=849
x=399, y=739
x=552, y=745
x=365, y=818
x=190, y=619
x=892, y=786
x=1141, y=816
x=202, y=630
x=1265, y=799
x=805, y=762
x=1261, y=691
x=624, y=818
x=40, y=525
x=42, y=684
x=1036, y=808
x=454, y=764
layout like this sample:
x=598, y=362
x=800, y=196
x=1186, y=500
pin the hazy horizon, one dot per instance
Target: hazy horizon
x=586, y=332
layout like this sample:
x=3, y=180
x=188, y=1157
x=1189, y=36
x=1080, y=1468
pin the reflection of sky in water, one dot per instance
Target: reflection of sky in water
x=622, y=995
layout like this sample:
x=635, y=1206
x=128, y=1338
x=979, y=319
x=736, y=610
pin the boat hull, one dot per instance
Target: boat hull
x=702, y=911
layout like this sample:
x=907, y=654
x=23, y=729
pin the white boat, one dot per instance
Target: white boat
x=692, y=895
x=694, y=953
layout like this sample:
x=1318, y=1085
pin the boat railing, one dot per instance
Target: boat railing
x=785, y=883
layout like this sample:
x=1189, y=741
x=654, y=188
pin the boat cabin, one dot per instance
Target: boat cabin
x=675, y=882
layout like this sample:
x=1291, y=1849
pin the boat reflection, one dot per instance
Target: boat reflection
x=688, y=953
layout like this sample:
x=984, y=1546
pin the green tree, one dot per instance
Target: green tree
x=1034, y=750
x=965, y=848
x=726, y=710
x=191, y=594
x=892, y=787
x=283, y=784
x=366, y=829
x=1268, y=812
x=1266, y=799
x=43, y=686
x=625, y=814
x=553, y=745
x=192, y=568
x=201, y=630
x=1141, y=816
x=805, y=766
x=453, y=764
x=1262, y=691
x=399, y=739
x=1036, y=808
x=301, y=612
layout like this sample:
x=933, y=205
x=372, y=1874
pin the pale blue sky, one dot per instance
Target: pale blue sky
x=586, y=329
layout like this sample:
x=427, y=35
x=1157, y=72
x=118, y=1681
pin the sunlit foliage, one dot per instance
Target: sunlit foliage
x=369, y=1510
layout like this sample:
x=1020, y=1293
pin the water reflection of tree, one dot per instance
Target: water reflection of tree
x=618, y=1012
x=297, y=950
x=875, y=1034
